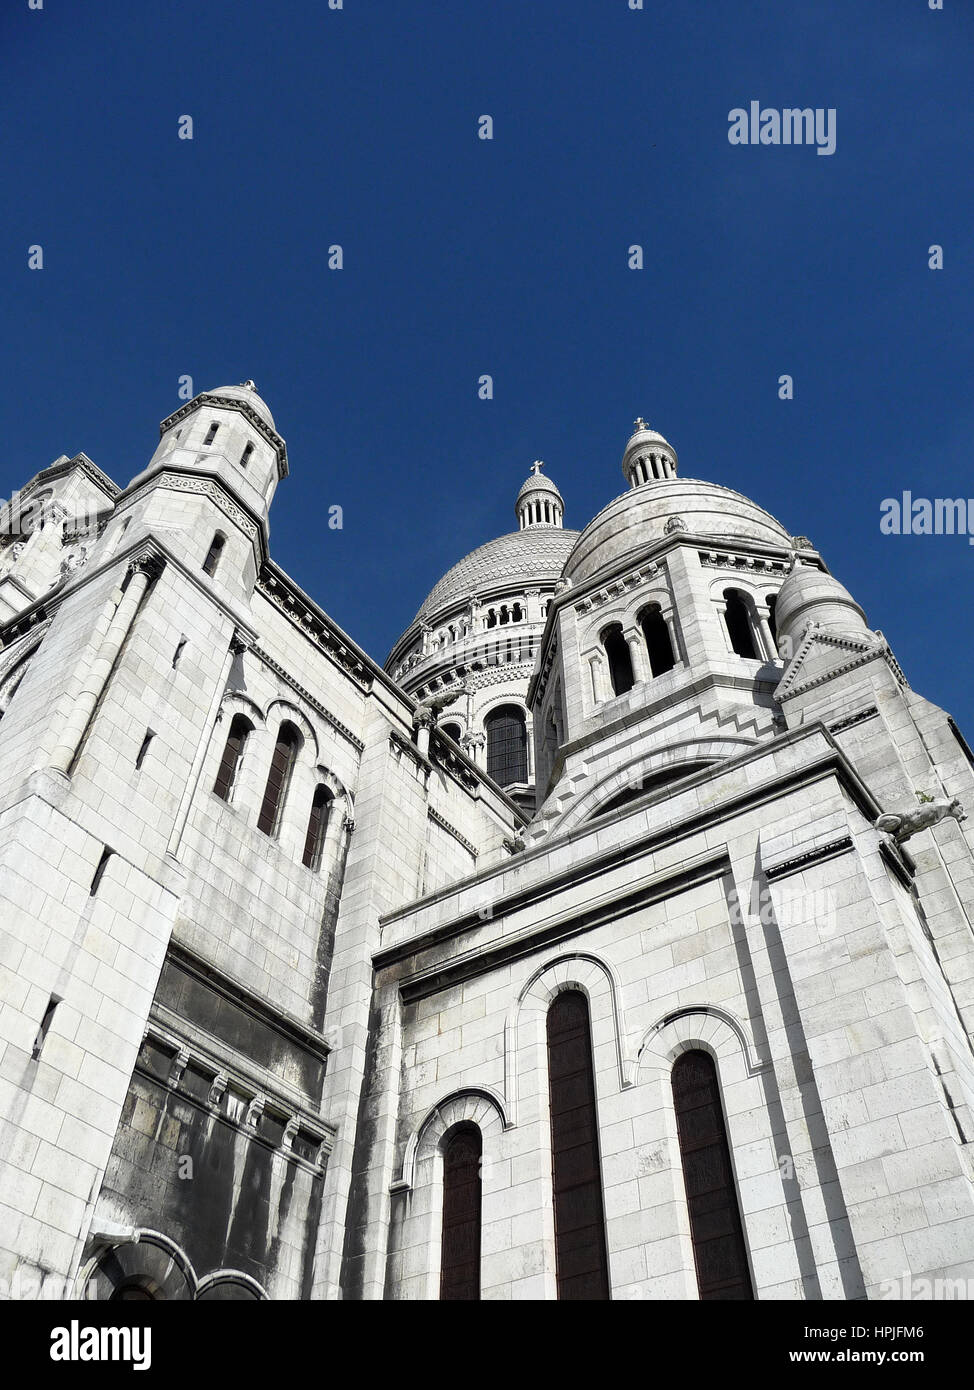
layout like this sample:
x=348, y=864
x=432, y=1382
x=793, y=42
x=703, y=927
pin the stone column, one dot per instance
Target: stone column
x=599, y=691
x=142, y=569
x=638, y=655
x=474, y=746
x=770, y=649
x=423, y=724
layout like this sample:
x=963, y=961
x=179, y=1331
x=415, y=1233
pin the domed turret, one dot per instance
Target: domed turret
x=539, y=503
x=808, y=596
x=648, y=456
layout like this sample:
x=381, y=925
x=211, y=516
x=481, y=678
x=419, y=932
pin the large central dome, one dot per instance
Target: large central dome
x=521, y=557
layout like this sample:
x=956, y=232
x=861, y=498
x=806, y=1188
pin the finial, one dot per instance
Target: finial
x=537, y=466
x=248, y=385
x=639, y=424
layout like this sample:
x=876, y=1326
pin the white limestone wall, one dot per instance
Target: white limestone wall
x=825, y=1083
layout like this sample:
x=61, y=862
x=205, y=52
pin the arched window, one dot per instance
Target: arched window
x=314, y=841
x=620, y=660
x=282, y=765
x=246, y=456
x=460, y=1246
x=658, y=642
x=738, y=619
x=507, y=745
x=214, y=553
x=233, y=751
x=581, y=1264
x=452, y=731
x=719, y=1251
x=210, y=435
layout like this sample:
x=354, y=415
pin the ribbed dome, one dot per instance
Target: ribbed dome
x=519, y=558
x=538, y=483
x=655, y=509
x=246, y=391
x=808, y=595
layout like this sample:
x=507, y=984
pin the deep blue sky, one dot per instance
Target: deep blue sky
x=313, y=126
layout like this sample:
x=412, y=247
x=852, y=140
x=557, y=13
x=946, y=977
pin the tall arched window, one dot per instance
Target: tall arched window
x=658, y=642
x=620, y=660
x=507, y=745
x=582, y=1267
x=314, y=840
x=214, y=553
x=719, y=1251
x=282, y=765
x=738, y=619
x=233, y=751
x=452, y=731
x=460, y=1245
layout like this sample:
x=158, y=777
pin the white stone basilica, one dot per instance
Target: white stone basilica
x=613, y=941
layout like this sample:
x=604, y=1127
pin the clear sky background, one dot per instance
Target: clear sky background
x=463, y=257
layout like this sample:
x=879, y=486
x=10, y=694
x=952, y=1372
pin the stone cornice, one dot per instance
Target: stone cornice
x=831, y=763
x=451, y=972
x=807, y=858
x=444, y=824
x=82, y=462
x=314, y=623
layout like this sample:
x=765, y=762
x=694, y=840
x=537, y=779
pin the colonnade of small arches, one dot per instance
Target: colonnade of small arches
x=297, y=800
x=472, y=623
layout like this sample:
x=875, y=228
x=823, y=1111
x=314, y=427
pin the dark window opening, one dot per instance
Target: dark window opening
x=214, y=553
x=452, y=731
x=140, y=758
x=180, y=648
x=582, y=1270
x=719, y=1251
x=246, y=456
x=45, y=1027
x=507, y=745
x=233, y=751
x=620, y=659
x=210, y=435
x=460, y=1246
x=99, y=873
x=314, y=841
x=738, y=619
x=282, y=765
x=658, y=642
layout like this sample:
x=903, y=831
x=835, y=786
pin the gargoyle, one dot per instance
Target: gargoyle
x=902, y=824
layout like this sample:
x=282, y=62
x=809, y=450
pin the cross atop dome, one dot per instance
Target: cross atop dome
x=537, y=466
x=639, y=424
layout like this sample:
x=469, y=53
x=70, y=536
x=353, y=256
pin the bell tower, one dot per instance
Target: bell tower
x=208, y=487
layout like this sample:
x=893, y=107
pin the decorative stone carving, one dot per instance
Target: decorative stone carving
x=675, y=523
x=900, y=825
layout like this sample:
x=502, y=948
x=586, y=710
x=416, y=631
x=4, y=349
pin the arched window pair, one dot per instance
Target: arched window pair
x=659, y=649
x=507, y=745
x=581, y=1259
x=286, y=750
